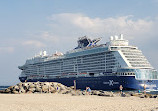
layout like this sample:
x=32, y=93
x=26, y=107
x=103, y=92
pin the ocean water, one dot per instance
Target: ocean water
x=3, y=87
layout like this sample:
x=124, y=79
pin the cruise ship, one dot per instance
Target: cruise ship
x=98, y=66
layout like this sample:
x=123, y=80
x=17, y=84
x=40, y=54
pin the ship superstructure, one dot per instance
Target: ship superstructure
x=104, y=66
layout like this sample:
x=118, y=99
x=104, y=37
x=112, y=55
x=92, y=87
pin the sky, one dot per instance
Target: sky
x=29, y=26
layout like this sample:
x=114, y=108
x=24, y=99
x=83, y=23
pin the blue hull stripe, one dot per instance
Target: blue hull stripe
x=102, y=82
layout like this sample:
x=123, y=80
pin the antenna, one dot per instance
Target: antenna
x=116, y=37
x=44, y=53
x=40, y=53
x=121, y=36
x=111, y=38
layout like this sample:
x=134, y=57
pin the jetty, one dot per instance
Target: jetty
x=58, y=88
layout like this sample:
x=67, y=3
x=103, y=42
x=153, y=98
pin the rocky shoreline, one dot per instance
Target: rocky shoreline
x=58, y=88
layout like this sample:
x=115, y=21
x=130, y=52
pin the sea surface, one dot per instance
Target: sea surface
x=3, y=87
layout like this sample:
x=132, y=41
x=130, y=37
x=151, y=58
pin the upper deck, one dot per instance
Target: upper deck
x=130, y=54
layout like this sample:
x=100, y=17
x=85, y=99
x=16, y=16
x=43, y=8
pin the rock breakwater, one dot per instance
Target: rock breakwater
x=54, y=87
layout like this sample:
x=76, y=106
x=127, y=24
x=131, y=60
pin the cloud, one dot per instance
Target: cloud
x=48, y=36
x=80, y=23
x=6, y=49
x=34, y=43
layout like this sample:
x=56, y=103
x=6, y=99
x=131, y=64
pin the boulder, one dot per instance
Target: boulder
x=108, y=94
x=16, y=88
x=136, y=94
x=127, y=95
x=25, y=85
x=78, y=93
x=83, y=92
x=31, y=85
x=62, y=87
x=58, y=89
x=15, y=92
x=72, y=87
x=45, y=88
x=47, y=83
x=55, y=83
x=101, y=94
x=22, y=90
x=37, y=83
x=31, y=89
x=68, y=88
x=52, y=89
x=20, y=84
x=73, y=93
x=95, y=92
x=123, y=95
x=51, y=84
x=29, y=92
x=8, y=90
x=130, y=93
x=38, y=88
x=2, y=91
x=65, y=91
x=153, y=96
x=143, y=96
x=25, y=88
x=101, y=91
